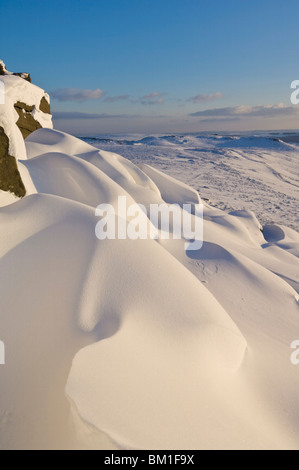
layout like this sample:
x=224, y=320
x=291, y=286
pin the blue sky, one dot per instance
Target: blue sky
x=157, y=66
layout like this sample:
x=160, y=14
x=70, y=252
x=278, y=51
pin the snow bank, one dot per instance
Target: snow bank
x=255, y=172
x=7, y=198
x=155, y=347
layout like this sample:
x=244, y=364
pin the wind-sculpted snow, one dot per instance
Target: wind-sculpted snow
x=257, y=172
x=142, y=344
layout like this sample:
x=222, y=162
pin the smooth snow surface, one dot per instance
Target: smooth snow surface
x=7, y=198
x=140, y=341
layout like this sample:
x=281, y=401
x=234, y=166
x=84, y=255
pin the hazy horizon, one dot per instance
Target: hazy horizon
x=92, y=130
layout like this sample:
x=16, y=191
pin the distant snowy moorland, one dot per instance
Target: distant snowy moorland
x=258, y=172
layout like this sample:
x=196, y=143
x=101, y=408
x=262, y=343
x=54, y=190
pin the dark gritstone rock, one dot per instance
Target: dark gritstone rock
x=25, y=76
x=24, y=106
x=26, y=123
x=45, y=106
x=10, y=178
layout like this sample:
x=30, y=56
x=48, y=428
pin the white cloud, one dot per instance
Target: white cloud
x=152, y=98
x=268, y=111
x=114, y=99
x=78, y=115
x=76, y=94
x=202, y=98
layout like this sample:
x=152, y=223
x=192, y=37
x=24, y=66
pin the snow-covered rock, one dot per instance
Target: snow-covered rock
x=4, y=71
x=24, y=108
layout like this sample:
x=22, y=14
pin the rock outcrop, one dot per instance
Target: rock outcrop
x=10, y=178
x=26, y=122
x=24, y=108
x=3, y=71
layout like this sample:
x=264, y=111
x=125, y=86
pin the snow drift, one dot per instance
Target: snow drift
x=140, y=341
